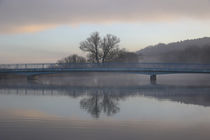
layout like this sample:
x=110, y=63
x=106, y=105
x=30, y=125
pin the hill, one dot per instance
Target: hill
x=187, y=51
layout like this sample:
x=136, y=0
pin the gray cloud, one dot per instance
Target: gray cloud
x=32, y=15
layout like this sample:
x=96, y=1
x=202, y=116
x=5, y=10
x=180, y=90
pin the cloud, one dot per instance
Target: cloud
x=25, y=28
x=35, y=15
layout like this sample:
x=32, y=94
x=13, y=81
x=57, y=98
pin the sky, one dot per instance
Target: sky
x=39, y=31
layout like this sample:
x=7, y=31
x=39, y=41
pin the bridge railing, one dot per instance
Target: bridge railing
x=104, y=65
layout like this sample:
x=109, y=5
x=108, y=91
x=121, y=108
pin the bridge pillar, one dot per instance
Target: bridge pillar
x=31, y=77
x=153, y=79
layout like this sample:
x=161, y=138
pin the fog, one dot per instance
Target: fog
x=120, y=79
x=94, y=79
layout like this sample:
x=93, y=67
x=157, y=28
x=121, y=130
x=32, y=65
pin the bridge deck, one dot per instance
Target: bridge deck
x=144, y=68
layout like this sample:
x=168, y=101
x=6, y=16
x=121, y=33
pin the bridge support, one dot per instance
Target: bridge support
x=153, y=79
x=31, y=77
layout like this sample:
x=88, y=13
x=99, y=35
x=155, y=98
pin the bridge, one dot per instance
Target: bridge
x=152, y=69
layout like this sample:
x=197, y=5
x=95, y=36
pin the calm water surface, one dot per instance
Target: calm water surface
x=106, y=107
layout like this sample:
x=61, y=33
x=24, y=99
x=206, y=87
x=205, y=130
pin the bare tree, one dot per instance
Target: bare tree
x=99, y=49
x=91, y=45
x=109, y=46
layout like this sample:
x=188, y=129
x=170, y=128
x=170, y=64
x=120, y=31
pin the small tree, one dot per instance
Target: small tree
x=125, y=56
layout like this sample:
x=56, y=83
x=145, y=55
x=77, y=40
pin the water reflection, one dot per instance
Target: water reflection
x=105, y=100
x=100, y=101
x=61, y=110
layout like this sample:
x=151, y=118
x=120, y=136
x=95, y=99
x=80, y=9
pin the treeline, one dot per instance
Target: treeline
x=123, y=57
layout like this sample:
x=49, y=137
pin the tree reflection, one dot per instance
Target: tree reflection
x=105, y=100
x=100, y=102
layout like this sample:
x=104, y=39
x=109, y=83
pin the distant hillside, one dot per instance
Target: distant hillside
x=187, y=51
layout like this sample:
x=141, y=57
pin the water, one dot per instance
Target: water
x=105, y=107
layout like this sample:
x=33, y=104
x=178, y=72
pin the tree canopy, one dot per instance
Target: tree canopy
x=101, y=49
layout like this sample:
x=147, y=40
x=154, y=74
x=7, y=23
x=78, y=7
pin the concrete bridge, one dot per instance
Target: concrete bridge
x=151, y=69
